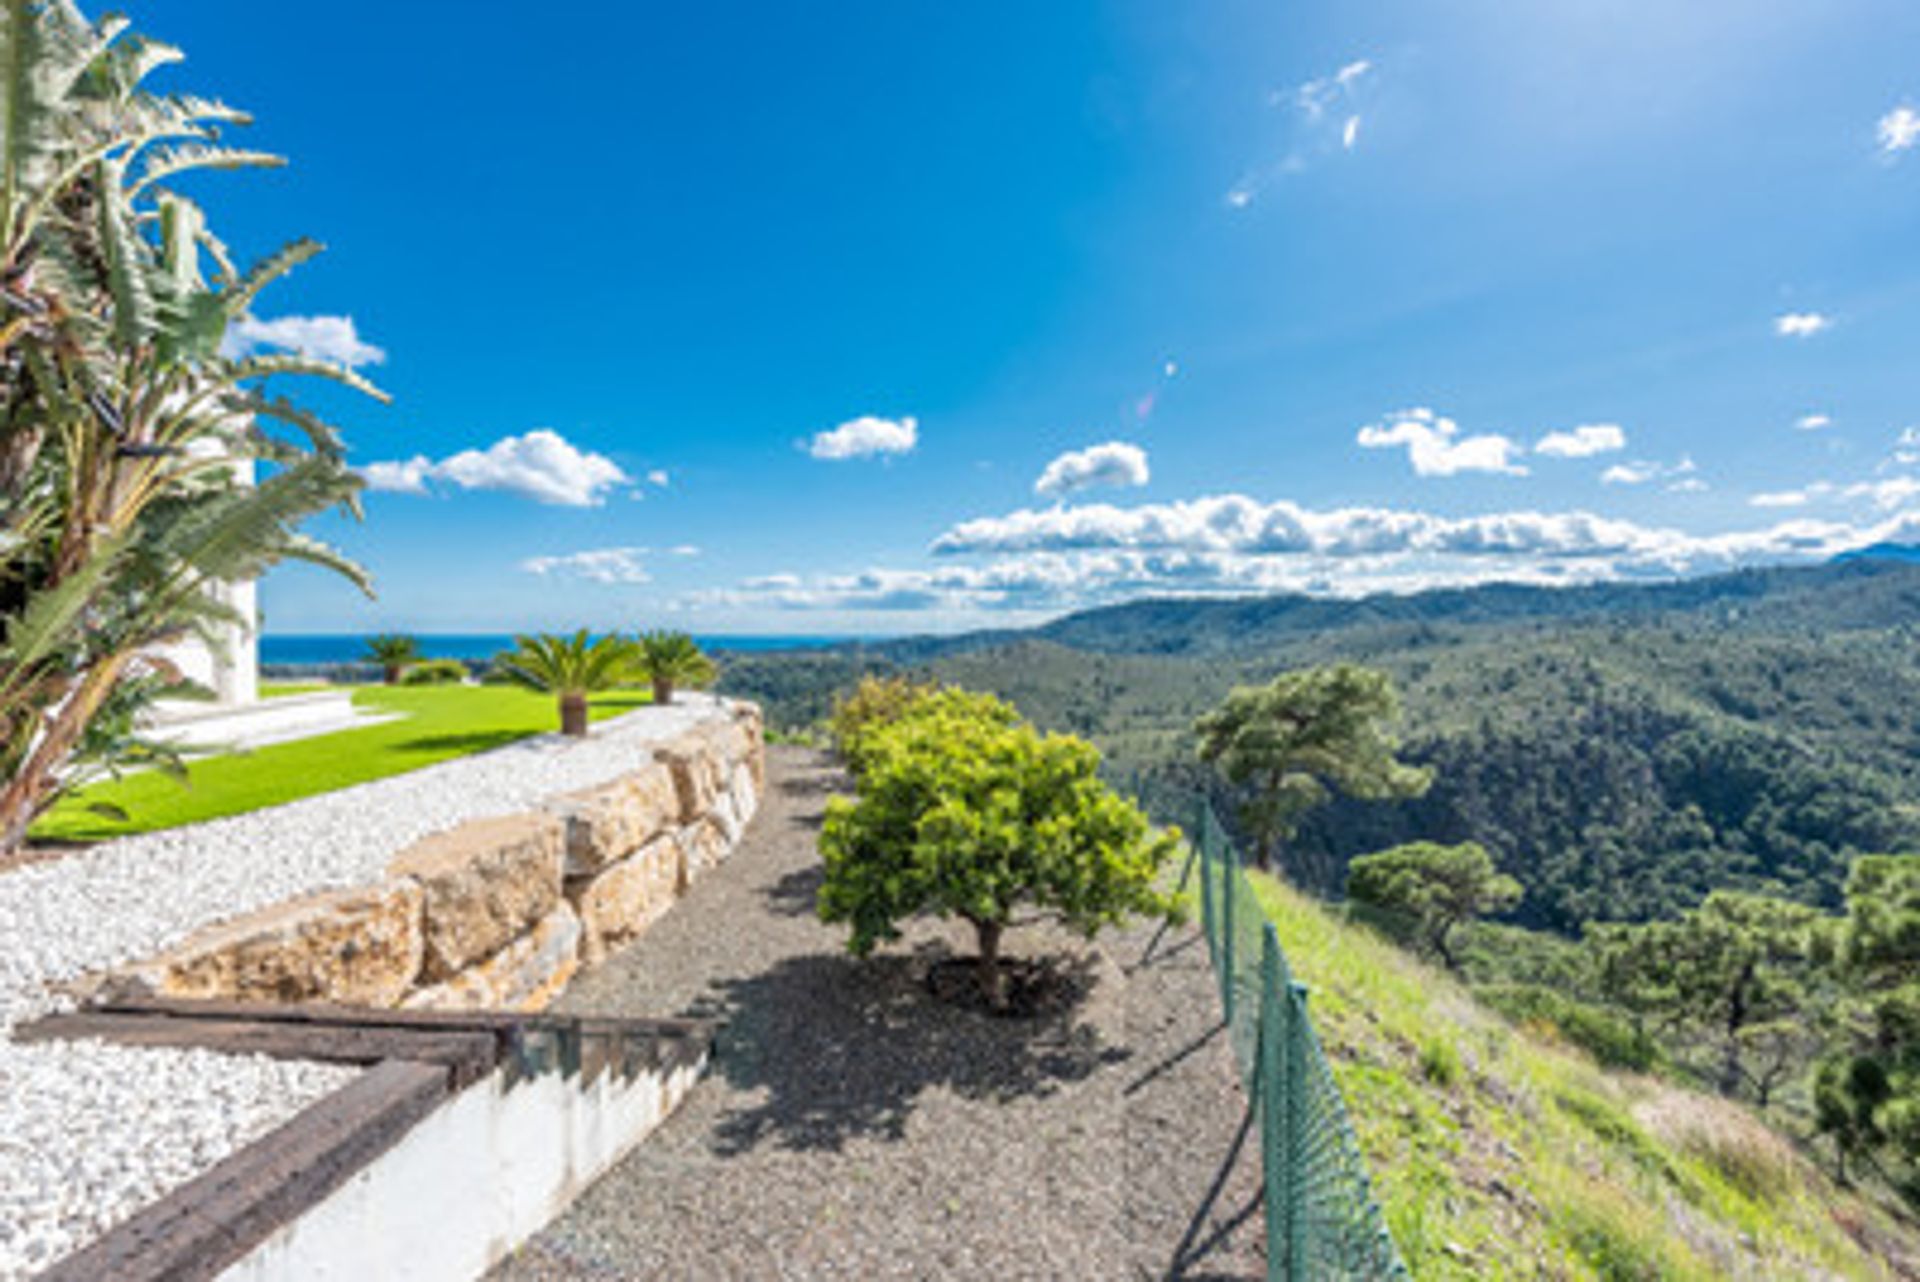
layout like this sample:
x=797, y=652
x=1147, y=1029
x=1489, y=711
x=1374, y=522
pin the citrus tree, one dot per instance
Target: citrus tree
x=570, y=668
x=964, y=810
x=670, y=661
x=127, y=433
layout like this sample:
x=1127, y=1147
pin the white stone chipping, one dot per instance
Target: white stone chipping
x=89, y=1133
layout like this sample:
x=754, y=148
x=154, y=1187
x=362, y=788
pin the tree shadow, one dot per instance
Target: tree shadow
x=823, y=782
x=795, y=894
x=844, y=1049
x=472, y=741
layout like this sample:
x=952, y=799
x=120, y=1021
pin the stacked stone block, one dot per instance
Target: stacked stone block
x=498, y=913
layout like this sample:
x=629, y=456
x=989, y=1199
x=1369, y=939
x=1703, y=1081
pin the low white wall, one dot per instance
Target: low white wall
x=472, y=1181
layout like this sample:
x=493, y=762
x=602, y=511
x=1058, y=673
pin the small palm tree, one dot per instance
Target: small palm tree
x=570, y=668
x=393, y=652
x=671, y=660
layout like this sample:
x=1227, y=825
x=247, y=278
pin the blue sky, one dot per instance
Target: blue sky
x=880, y=317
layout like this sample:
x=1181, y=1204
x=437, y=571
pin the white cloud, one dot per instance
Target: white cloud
x=1322, y=120
x=1115, y=463
x=401, y=476
x=1813, y=422
x=326, y=338
x=1781, y=498
x=1641, y=471
x=1059, y=558
x=1436, y=448
x=865, y=437
x=1688, y=485
x=1801, y=324
x=658, y=477
x=1897, y=131
x=596, y=565
x=1583, y=442
x=540, y=465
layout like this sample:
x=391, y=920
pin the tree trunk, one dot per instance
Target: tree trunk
x=393, y=674
x=573, y=715
x=36, y=782
x=992, y=982
x=662, y=691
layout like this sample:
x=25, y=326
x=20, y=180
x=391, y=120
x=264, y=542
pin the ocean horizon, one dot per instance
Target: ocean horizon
x=308, y=649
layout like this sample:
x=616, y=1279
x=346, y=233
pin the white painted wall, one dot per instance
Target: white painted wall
x=470, y=1182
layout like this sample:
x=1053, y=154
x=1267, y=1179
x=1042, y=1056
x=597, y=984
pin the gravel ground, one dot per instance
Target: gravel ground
x=90, y=1133
x=853, y=1128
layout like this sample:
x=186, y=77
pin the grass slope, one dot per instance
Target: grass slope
x=1500, y=1153
x=435, y=723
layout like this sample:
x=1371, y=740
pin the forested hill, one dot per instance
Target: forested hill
x=1620, y=748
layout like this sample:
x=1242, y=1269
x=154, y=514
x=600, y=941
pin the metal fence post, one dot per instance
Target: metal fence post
x=1299, y=1245
x=1207, y=911
x=1270, y=1072
x=1229, y=866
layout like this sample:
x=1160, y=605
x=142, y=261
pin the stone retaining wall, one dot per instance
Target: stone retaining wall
x=498, y=913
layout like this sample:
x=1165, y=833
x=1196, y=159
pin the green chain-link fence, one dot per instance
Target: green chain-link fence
x=1322, y=1219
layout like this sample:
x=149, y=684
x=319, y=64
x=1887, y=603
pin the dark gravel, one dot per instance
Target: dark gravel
x=852, y=1127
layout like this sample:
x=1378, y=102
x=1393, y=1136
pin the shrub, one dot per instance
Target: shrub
x=964, y=810
x=1440, y=1062
x=434, y=672
x=875, y=702
x=1611, y=1040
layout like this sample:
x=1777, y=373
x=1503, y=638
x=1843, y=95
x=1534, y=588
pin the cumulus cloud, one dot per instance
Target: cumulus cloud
x=1641, y=471
x=1062, y=558
x=596, y=565
x=540, y=465
x=1116, y=463
x=1435, y=447
x=658, y=477
x=1813, y=422
x=865, y=437
x=1897, y=131
x=326, y=338
x=1583, y=442
x=1801, y=324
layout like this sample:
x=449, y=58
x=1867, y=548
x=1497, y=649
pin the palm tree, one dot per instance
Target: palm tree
x=671, y=659
x=127, y=436
x=394, y=653
x=570, y=668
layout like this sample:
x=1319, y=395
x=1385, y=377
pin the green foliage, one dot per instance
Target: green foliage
x=1611, y=1040
x=1286, y=745
x=434, y=672
x=1431, y=890
x=1622, y=749
x=962, y=811
x=393, y=653
x=1440, y=1061
x=569, y=668
x=1867, y=1090
x=873, y=703
x=127, y=439
x=1737, y=973
x=671, y=660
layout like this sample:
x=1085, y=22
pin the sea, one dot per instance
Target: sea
x=319, y=649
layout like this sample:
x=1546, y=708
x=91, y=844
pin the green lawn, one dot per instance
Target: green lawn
x=438, y=722
x=276, y=689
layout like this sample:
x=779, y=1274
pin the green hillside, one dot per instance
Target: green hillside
x=1500, y=1152
x=1621, y=749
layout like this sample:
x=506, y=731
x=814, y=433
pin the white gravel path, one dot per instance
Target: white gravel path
x=90, y=1133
